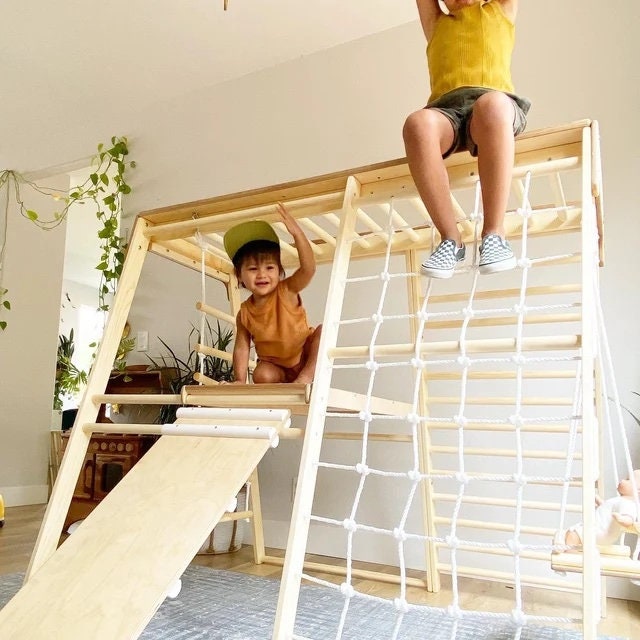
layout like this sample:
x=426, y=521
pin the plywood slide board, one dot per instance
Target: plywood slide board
x=108, y=578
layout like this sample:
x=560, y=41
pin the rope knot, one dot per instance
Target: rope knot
x=519, y=618
x=452, y=542
x=418, y=363
x=414, y=475
x=464, y=361
x=350, y=525
x=468, y=312
x=413, y=418
x=401, y=605
x=462, y=478
x=363, y=469
x=461, y=421
x=454, y=611
x=365, y=416
x=377, y=318
x=524, y=263
x=372, y=365
x=385, y=276
x=347, y=590
x=400, y=534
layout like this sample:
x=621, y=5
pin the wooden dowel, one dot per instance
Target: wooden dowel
x=479, y=426
x=506, y=400
x=310, y=205
x=336, y=570
x=557, y=289
x=504, y=453
x=496, y=345
x=502, y=321
x=503, y=502
x=507, y=577
x=136, y=398
x=216, y=313
x=216, y=353
x=615, y=566
x=496, y=526
x=500, y=375
x=205, y=380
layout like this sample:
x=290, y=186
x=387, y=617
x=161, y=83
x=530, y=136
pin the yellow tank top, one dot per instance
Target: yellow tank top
x=278, y=329
x=471, y=49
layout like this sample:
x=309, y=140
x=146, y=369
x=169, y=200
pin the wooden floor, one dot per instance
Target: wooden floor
x=19, y=533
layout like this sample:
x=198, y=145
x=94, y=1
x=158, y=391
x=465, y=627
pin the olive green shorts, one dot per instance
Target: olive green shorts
x=457, y=106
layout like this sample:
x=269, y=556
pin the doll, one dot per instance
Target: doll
x=613, y=516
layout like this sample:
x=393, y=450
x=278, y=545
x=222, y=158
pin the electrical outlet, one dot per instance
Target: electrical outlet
x=142, y=341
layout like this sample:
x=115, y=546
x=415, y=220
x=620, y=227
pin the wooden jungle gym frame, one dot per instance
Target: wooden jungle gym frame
x=125, y=557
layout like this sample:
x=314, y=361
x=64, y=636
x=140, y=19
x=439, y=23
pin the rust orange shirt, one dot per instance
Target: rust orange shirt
x=278, y=328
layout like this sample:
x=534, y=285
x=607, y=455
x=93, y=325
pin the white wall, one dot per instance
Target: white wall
x=33, y=275
x=344, y=108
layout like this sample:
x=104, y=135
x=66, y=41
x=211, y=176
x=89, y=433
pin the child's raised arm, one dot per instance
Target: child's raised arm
x=428, y=11
x=300, y=278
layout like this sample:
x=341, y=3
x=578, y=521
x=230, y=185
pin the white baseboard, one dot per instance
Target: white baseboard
x=21, y=496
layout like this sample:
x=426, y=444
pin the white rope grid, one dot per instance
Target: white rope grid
x=518, y=424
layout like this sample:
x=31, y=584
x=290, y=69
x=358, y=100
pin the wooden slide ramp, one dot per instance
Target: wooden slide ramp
x=109, y=577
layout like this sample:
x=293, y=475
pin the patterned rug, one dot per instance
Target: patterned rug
x=223, y=605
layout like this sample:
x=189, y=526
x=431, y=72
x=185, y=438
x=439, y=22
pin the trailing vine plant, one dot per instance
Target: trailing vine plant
x=104, y=189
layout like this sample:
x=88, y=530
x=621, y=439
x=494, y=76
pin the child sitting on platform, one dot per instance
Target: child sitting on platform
x=472, y=106
x=273, y=316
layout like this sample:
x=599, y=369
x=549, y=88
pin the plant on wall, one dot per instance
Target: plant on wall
x=181, y=371
x=104, y=189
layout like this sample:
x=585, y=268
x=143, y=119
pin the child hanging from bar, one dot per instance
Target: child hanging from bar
x=472, y=106
x=273, y=316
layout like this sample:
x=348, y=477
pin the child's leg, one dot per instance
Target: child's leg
x=492, y=131
x=428, y=135
x=310, y=357
x=267, y=372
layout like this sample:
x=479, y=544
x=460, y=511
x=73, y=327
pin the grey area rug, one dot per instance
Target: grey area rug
x=223, y=605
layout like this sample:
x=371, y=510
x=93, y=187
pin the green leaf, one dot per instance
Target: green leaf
x=103, y=266
x=32, y=215
x=94, y=178
x=104, y=178
x=3, y=325
x=6, y=304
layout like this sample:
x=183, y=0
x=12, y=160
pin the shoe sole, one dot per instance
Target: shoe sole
x=441, y=274
x=495, y=267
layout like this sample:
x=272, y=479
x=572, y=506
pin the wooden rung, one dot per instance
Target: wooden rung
x=485, y=525
x=216, y=353
x=205, y=380
x=505, y=502
x=136, y=398
x=309, y=206
x=504, y=453
x=506, y=400
x=500, y=375
x=481, y=426
x=496, y=345
x=559, y=289
x=618, y=566
x=507, y=577
x=331, y=569
x=216, y=313
x=502, y=321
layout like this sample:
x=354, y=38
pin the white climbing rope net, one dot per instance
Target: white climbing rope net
x=501, y=473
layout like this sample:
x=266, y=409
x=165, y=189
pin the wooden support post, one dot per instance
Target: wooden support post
x=58, y=505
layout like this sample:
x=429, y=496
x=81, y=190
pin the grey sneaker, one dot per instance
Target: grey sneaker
x=443, y=260
x=495, y=254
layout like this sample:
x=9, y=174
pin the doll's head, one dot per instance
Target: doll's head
x=625, y=488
